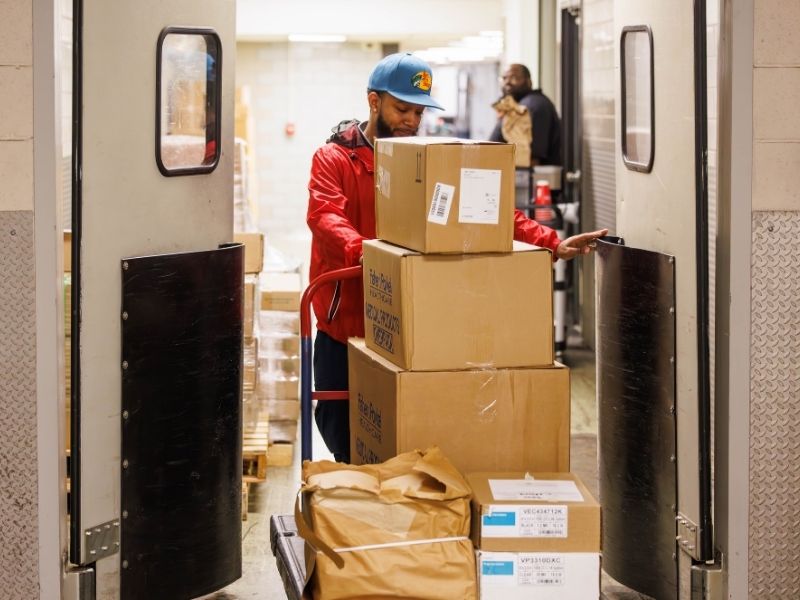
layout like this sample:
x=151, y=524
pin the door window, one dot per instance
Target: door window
x=188, y=101
x=638, y=110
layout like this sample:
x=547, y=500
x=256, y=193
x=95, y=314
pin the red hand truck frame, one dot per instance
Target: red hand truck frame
x=306, y=362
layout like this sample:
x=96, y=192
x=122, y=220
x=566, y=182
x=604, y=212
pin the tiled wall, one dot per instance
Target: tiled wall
x=16, y=105
x=776, y=95
x=775, y=285
x=18, y=463
x=313, y=87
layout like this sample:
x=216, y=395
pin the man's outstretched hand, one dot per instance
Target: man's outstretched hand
x=583, y=243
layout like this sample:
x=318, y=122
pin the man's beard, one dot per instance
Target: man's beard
x=383, y=129
x=518, y=94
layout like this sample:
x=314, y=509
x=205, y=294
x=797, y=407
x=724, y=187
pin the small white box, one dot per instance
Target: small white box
x=539, y=575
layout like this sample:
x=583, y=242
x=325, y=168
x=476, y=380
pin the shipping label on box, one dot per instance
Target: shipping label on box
x=524, y=521
x=439, y=312
x=445, y=195
x=481, y=419
x=544, y=576
x=536, y=512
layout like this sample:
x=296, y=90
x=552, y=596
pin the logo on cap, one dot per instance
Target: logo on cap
x=422, y=80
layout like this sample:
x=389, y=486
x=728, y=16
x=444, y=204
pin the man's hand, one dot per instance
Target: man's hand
x=583, y=243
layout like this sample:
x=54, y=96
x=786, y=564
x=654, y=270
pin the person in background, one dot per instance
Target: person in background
x=545, y=124
x=341, y=215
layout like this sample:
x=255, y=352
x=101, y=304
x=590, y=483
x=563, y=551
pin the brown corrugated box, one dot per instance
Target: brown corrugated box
x=483, y=420
x=445, y=194
x=434, y=312
x=253, y=250
x=280, y=291
x=283, y=410
x=539, y=519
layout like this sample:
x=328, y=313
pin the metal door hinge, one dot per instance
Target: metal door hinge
x=687, y=536
x=79, y=584
x=707, y=581
x=101, y=540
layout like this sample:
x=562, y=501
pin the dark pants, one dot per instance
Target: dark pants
x=332, y=416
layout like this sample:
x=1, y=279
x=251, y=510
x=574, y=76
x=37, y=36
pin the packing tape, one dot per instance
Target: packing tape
x=401, y=544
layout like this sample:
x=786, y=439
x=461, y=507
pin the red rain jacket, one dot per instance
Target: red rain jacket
x=341, y=214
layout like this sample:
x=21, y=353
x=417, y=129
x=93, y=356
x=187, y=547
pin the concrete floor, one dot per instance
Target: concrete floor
x=260, y=579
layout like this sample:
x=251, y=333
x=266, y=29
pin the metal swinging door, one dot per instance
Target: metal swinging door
x=652, y=288
x=156, y=321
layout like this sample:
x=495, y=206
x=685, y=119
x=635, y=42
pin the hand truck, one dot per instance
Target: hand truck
x=287, y=546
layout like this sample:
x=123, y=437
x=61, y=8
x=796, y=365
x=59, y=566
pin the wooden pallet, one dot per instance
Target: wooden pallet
x=255, y=443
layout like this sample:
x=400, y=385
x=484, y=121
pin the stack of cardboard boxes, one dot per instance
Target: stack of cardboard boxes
x=458, y=348
x=280, y=362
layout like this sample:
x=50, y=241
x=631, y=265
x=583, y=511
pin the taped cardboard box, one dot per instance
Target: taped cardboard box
x=284, y=432
x=278, y=386
x=279, y=344
x=483, y=420
x=280, y=291
x=427, y=312
x=538, y=512
x=539, y=575
x=274, y=322
x=253, y=250
x=445, y=194
x=283, y=410
x=396, y=530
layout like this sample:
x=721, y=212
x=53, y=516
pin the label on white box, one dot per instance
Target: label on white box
x=480, y=196
x=540, y=569
x=543, y=575
x=537, y=569
x=535, y=489
x=539, y=521
x=441, y=202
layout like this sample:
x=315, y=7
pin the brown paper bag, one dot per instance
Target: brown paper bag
x=394, y=530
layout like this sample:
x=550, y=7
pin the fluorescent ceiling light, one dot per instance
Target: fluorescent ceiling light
x=317, y=37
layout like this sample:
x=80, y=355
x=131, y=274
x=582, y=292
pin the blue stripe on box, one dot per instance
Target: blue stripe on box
x=500, y=518
x=497, y=567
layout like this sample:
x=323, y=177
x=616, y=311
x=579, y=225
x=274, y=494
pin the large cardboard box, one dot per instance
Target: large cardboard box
x=483, y=420
x=253, y=250
x=539, y=512
x=435, y=312
x=539, y=575
x=445, y=194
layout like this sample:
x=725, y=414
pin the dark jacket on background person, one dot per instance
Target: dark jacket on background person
x=546, y=144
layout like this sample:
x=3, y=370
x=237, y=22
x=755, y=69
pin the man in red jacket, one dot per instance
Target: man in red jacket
x=341, y=214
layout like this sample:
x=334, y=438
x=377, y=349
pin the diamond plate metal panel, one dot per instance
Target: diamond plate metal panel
x=774, y=408
x=18, y=475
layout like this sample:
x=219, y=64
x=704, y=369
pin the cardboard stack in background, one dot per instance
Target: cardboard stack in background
x=255, y=422
x=458, y=317
x=537, y=535
x=245, y=181
x=279, y=379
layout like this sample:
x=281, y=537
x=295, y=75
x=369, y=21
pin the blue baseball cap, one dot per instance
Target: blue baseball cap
x=406, y=77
